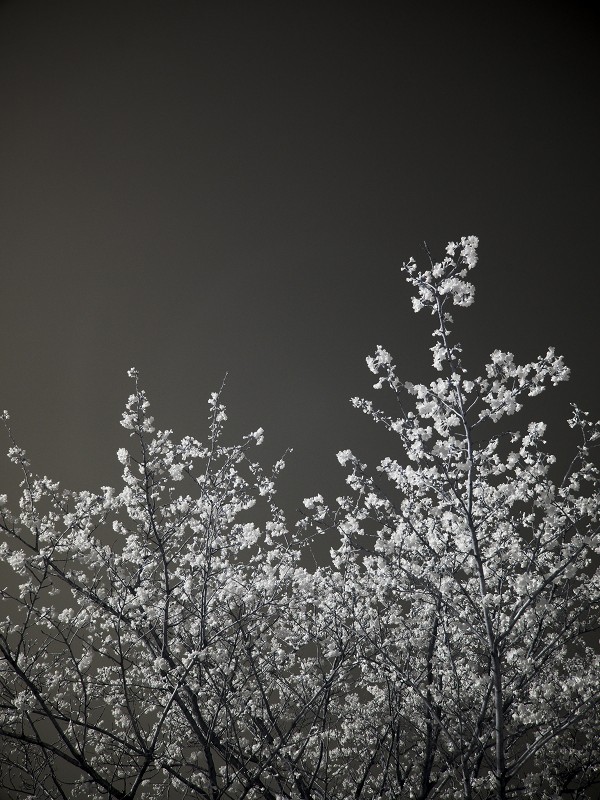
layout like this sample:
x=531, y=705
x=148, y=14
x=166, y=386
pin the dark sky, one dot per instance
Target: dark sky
x=197, y=188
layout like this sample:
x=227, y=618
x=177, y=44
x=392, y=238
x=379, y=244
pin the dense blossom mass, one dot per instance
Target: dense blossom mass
x=171, y=640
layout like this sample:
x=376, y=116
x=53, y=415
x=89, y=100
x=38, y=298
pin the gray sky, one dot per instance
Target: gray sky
x=199, y=188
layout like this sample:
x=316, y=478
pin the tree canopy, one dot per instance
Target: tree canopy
x=171, y=639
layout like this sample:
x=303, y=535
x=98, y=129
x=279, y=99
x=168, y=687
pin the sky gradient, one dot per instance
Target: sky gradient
x=207, y=188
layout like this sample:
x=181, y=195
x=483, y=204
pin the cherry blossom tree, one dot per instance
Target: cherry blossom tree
x=172, y=639
x=474, y=574
x=162, y=670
